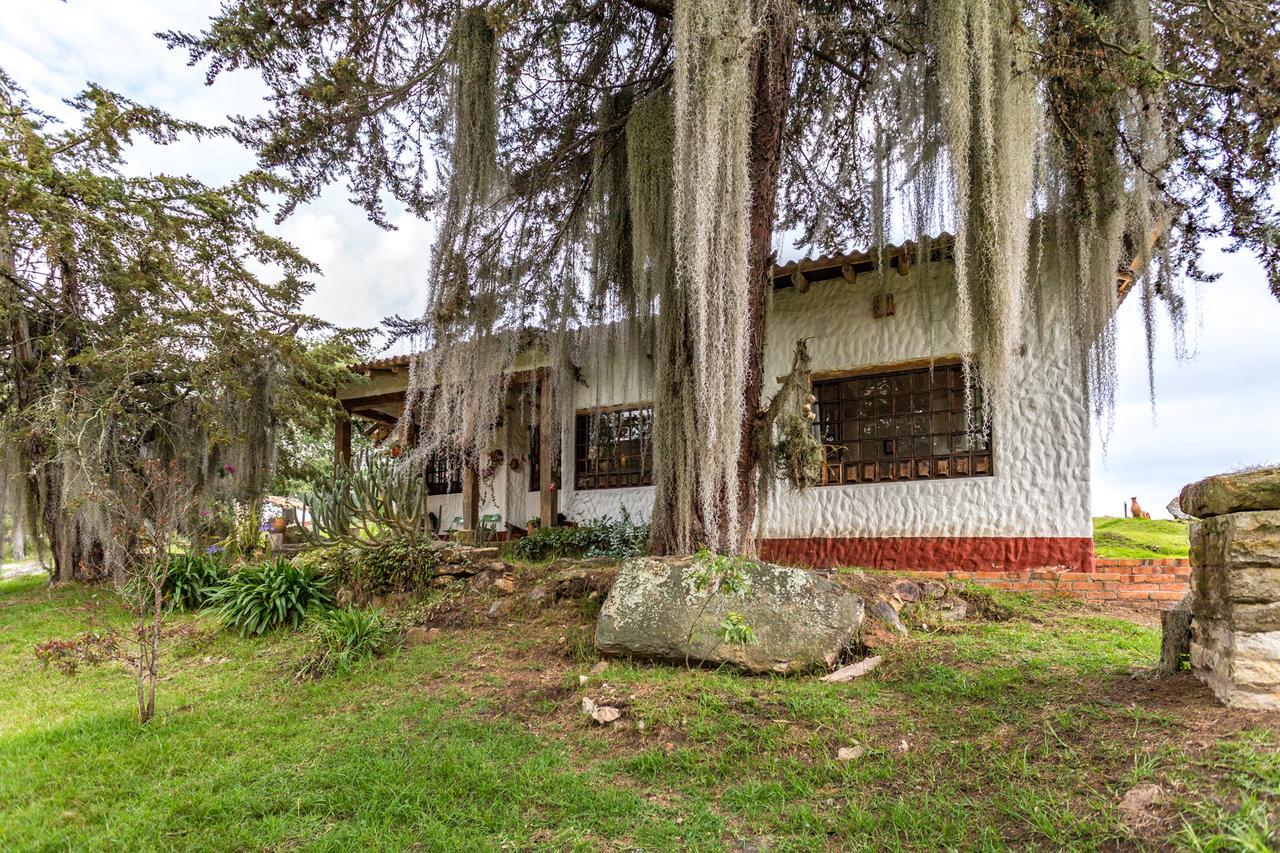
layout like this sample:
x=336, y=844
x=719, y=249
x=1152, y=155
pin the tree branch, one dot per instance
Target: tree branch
x=661, y=8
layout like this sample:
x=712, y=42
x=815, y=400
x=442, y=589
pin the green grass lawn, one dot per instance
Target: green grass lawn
x=1139, y=538
x=1024, y=733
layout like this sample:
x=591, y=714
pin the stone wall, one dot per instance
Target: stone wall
x=1235, y=583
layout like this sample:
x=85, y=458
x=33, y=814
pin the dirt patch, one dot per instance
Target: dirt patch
x=1190, y=704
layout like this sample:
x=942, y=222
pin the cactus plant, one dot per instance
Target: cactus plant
x=370, y=503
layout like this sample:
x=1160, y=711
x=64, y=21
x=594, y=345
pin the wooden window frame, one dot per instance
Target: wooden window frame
x=904, y=422
x=587, y=468
x=440, y=479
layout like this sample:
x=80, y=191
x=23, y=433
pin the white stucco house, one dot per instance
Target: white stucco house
x=906, y=485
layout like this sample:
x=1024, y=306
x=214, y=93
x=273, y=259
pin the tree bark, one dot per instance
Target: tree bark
x=1175, y=639
x=18, y=540
x=548, y=450
x=676, y=522
x=771, y=72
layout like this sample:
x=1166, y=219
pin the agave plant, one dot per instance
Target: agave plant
x=192, y=580
x=368, y=504
x=264, y=596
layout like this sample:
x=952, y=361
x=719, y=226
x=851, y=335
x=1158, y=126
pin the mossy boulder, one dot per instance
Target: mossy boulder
x=1242, y=491
x=656, y=609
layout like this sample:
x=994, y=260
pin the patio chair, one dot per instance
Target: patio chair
x=454, y=527
x=487, y=529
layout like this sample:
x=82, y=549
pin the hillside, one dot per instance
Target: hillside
x=1139, y=538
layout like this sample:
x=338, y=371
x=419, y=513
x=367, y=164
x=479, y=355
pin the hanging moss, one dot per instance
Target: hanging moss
x=714, y=43
x=650, y=130
x=966, y=134
x=783, y=442
x=990, y=118
x=1012, y=152
x=458, y=380
x=797, y=452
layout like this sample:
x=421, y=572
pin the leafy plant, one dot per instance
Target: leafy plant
x=90, y=648
x=734, y=630
x=192, y=580
x=396, y=565
x=245, y=539
x=263, y=596
x=343, y=638
x=615, y=539
x=717, y=574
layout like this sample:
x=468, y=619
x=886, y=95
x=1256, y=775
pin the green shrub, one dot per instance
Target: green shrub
x=263, y=596
x=598, y=537
x=192, y=580
x=343, y=638
x=397, y=565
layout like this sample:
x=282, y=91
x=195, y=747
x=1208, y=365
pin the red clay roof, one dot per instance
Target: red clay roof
x=385, y=363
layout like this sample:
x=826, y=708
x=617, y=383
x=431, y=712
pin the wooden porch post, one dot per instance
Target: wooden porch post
x=342, y=440
x=549, y=496
x=470, y=497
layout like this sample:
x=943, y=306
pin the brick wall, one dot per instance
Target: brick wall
x=1144, y=583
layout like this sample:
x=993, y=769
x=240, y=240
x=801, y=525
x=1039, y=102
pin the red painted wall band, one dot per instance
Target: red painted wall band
x=936, y=553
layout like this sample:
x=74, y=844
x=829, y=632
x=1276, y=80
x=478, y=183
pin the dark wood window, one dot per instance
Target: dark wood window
x=444, y=474
x=901, y=425
x=611, y=449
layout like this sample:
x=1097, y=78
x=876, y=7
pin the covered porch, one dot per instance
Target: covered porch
x=518, y=479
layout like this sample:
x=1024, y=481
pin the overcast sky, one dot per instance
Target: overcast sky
x=1216, y=411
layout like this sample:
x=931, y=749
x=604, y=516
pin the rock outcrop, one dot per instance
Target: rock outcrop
x=1242, y=491
x=656, y=609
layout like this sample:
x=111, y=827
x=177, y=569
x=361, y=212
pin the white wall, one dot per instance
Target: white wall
x=1040, y=442
x=627, y=382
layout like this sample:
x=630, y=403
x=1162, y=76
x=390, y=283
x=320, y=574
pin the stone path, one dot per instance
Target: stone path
x=17, y=570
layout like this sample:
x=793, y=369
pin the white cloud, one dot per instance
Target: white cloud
x=368, y=273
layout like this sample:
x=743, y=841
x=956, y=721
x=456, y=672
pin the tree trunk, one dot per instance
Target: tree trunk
x=771, y=73
x=1175, y=640
x=19, y=544
x=676, y=526
x=676, y=523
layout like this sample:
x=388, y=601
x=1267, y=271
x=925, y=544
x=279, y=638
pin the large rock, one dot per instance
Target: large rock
x=1242, y=491
x=801, y=621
